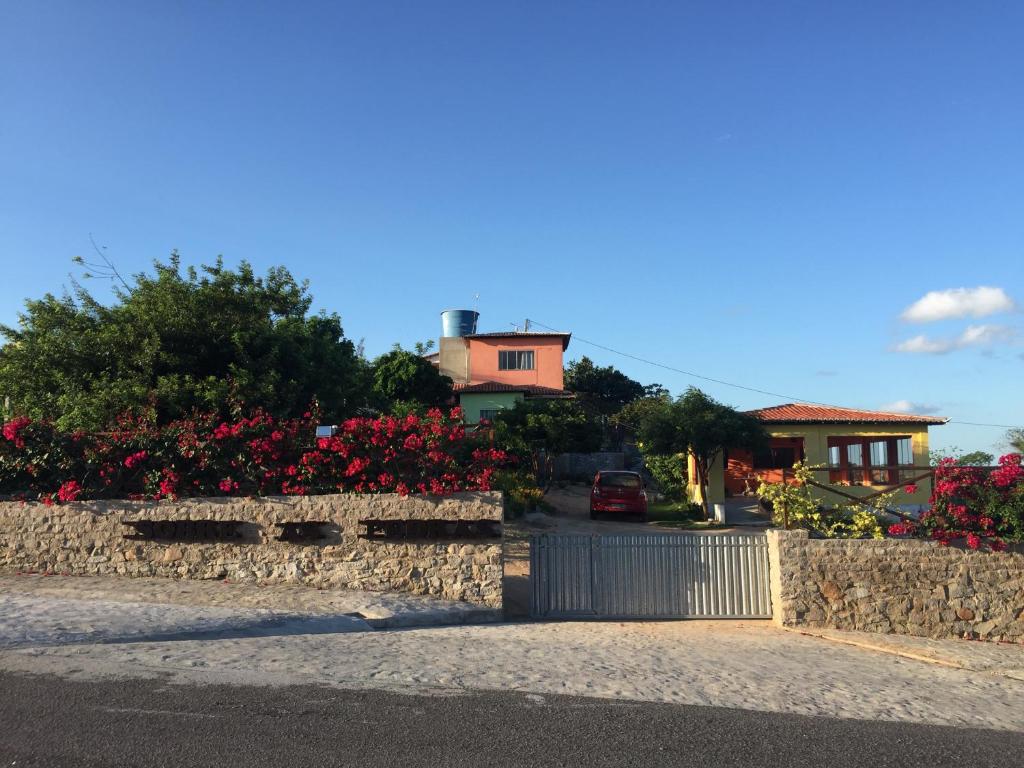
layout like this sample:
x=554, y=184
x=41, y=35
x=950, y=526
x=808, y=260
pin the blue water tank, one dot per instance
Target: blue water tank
x=458, y=322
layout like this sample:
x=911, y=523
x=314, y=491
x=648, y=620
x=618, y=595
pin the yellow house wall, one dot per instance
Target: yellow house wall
x=815, y=438
x=716, y=481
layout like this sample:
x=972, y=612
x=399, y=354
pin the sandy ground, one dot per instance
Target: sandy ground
x=738, y=664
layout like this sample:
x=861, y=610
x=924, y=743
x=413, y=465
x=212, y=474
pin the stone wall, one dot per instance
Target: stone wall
x=896, y=586
x=86, y=538
x=583, y=466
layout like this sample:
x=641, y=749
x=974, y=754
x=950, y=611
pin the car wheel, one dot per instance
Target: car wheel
x=643, y=517
x=593, y=514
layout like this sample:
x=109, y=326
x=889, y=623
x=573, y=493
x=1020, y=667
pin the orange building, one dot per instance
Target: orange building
x=493, y=371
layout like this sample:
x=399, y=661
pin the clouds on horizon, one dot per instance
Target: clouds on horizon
x=972, y=336
x=957, y=303
x=909, y=406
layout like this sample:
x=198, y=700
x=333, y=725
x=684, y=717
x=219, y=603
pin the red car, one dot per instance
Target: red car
x=621, y=492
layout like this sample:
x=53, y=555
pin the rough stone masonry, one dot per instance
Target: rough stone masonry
x=93, y=538
x=896, y=586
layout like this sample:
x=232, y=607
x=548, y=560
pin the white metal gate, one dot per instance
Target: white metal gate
x=649, y=576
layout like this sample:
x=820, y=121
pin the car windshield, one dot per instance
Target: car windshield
x=619, y=480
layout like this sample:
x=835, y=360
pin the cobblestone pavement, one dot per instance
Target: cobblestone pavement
x=103, y=607
x=736, y=664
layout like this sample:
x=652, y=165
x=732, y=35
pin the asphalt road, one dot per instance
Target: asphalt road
x=47, y=721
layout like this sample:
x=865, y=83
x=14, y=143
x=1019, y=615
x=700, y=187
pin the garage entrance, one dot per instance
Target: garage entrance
x=658, y=576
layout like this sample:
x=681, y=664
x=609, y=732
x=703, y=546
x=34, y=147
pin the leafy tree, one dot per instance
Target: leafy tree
x=557, y=426
x=1015, y=437
x=403, y=377
x=976, y=459
x=174, y=342
x=697, y=424
x=972, y=459
x=605, y=390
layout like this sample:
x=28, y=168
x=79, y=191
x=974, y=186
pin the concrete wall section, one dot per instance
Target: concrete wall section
x=474, y=402
x=87, y=538
x=547, y=360
x=453, y=359
x=896, y=586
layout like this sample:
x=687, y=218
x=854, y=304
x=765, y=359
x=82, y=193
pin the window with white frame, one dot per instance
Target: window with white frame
x=489, y=414
x=515, y=360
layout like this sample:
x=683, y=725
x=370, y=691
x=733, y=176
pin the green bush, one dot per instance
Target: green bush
x=669, y=472
x=520, y=493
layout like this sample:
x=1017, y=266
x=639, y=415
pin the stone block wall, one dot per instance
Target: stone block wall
x=89, y=538
x=896, y=586
x=573, y=466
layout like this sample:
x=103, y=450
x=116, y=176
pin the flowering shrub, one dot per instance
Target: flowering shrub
x=984, y=508
x=795, y=504
x=254, y=455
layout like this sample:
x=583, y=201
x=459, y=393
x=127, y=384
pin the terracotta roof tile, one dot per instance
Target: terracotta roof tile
x=794, y=413
x=511, y=334
x=494, y=386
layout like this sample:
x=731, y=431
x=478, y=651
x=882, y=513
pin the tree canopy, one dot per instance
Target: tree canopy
x=558, y=426
x=694, y=423
x=1015, y=437
x=176, y=342
x=605, y=390
x=400, y=376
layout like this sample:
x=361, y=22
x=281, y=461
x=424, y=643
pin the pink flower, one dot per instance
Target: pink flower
x=973, y=541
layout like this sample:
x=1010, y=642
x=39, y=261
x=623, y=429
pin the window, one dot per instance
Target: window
x=879, y=458
x=490, y=414
x=775, y=457
x=515, y=360
x=869, y=460
x=619, y=480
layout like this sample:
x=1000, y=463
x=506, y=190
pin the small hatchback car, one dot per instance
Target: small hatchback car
x=620, y=492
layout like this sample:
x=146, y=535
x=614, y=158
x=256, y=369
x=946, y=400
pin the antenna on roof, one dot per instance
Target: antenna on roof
x=526, y=325
x=476, y=302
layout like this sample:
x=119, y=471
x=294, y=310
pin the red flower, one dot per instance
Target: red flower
x=69, y=491
x=227, y=485
x=135, y=458
x=13, y=428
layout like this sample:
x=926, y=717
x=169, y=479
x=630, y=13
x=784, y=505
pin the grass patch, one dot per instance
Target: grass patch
x=679, y=514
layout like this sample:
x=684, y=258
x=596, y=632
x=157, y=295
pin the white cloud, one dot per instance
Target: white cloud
x=926, y=345
x=973, y=336
x=908, y=406
x=958, y=302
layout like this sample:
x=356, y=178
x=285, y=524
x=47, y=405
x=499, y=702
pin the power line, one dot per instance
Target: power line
x=744, y=387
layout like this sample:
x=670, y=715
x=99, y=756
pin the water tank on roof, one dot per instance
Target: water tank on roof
x=458, y=322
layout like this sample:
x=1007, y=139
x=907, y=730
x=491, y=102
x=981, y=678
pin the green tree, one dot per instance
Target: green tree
x=409, y=379
x=695, y=424
x=1015, y=437
x=175, y=342
x=976, y=459
x=605, y=390
x=557, y=426
x=972, y=459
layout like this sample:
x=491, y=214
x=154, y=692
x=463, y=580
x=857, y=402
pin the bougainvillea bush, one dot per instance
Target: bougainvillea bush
x=982, y=507
x=250, y=455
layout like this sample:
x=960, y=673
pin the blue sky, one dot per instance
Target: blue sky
x=757, y=192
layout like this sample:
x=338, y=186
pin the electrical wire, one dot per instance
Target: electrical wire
x=725, y=383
